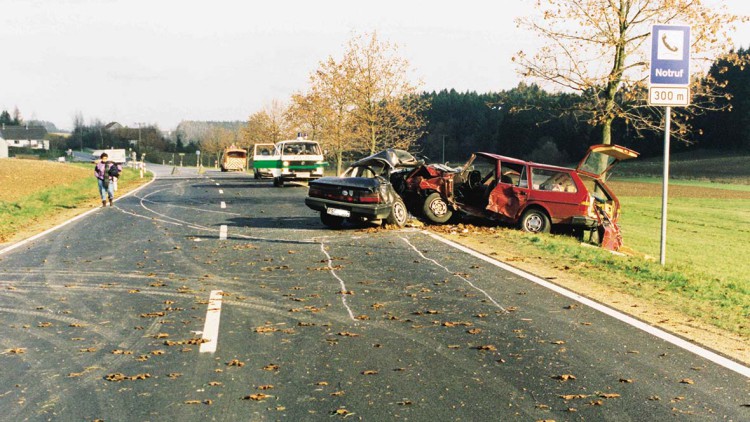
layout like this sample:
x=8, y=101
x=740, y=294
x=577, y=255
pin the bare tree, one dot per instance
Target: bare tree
x=387, y=109
x=269, y=125
x=599, y=49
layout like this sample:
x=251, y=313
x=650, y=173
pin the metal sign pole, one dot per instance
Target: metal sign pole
x=665, y=186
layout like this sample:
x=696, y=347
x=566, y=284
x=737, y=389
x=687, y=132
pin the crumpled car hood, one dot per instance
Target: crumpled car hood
x=392, y=157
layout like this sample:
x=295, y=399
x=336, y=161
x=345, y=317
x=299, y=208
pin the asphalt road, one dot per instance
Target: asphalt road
x=106, y=318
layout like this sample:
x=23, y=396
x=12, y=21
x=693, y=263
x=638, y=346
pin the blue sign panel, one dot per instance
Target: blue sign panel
x=670, y=55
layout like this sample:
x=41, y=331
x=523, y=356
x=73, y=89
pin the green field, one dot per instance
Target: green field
x=24, y=214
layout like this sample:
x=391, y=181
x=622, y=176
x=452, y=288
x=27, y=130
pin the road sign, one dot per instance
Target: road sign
x=675, y=96
x=197, y=153
x=670, y=55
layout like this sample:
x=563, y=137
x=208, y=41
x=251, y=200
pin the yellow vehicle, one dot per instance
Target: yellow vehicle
x=233, y=159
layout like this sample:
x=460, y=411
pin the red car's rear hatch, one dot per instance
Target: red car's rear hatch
x=601, y=158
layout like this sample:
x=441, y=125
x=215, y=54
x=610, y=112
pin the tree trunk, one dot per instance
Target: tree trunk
x=339, y=158
x=607, y=131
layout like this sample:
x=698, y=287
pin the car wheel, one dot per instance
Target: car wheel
x=436, y=209
x=535, y=221
x=256, y=175
x=398, y=215
x=331, y=221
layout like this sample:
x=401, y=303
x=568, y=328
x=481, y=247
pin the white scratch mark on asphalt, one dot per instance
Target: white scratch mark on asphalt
x=457, y=275
x=211, y=326
x=223, y=205
x=343, y=285
x=670, y=338
x=223, y=232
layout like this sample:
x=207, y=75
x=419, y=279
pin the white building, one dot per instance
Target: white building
x=24, y=136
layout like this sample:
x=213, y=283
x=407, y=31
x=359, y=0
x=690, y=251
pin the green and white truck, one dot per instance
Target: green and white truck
x=293, y=160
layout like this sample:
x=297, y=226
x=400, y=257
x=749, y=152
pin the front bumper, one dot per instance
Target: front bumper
x=370, y=211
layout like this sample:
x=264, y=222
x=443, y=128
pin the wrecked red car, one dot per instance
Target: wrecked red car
x=531, y=195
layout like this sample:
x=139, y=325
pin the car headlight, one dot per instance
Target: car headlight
x=286, y=163
x=345, y=192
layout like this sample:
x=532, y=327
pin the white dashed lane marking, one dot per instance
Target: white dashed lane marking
x=210, y=334
x=223, y=205
x=221, y=190
x=223, y=232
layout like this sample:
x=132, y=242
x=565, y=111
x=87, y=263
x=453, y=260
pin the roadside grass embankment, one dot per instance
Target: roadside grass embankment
x=36, y=195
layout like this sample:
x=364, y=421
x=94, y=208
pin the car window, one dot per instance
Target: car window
x=552, y=180
x=511, y=173
x=484, y=167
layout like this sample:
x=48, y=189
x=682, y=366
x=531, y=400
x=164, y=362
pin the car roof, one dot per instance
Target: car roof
x=522, y=162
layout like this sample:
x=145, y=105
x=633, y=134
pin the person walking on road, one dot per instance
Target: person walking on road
x=106, y=173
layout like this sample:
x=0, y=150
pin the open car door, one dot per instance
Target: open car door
x=601, y=158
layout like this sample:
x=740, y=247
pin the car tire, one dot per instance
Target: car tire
x=256, y=175
x=535, y=220
x=436, y=209
x=399, y=215
x=331, y=221
x=278, y=182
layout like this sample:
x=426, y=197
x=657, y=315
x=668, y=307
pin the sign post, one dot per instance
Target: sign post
x=669, y=87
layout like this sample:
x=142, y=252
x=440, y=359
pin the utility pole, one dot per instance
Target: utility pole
x=443, y=160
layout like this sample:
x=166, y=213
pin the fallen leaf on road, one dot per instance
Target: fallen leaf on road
x=341, y=412
x=474, y=331
x=370, y=372
x=348, y=334
x=16, y=351
x=574, y=396
x=564, y=377
x=256, y=397
x=609, y=395
x=687, y=381
x=236, y=362
x=265, y=387
x=271, y=367
x=487, y=347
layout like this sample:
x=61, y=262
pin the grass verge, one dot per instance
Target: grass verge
x=49, y=203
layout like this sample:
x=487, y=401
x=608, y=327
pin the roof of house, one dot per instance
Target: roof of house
x=18, y=133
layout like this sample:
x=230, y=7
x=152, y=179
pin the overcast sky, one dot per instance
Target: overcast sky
x=163, y=61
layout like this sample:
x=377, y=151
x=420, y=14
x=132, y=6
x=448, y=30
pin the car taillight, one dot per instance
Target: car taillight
x=368, y=197
x=588, y=206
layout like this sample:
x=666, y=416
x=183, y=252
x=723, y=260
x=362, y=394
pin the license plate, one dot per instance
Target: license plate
x=304, y=174
x=338, y=212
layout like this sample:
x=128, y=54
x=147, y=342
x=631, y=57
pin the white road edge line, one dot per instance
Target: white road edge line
x=341, y=282
x=223, y=205
x=223, y=232
x=65, y=223
x=670, y=338
x=210, y=334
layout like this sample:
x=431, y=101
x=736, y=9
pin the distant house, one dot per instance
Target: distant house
x=25, y=136
x=113, y=126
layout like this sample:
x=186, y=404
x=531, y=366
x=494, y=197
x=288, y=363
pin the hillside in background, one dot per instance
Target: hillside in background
x=193, y=131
